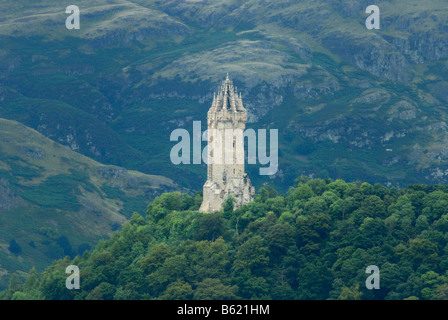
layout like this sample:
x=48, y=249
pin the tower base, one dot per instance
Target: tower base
x=214, y=195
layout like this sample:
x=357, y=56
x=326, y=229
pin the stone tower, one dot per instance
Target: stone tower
x=226, y=121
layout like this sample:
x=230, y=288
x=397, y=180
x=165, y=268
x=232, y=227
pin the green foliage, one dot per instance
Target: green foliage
x=14, y=247
x=213, y=289
x=58, y=191
x=211, y=226
x=314, y=243
x=228, y=206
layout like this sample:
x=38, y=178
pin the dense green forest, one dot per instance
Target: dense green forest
x=313, y=243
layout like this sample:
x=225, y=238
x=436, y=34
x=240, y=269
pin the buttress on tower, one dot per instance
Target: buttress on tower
x=226, y=121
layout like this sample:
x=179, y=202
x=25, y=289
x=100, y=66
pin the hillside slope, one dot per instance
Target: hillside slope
x=348, y=102
x=56, y=202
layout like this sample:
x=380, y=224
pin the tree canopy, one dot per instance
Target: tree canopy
x=315, y=242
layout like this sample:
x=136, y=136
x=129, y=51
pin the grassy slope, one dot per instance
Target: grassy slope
x=59, y=193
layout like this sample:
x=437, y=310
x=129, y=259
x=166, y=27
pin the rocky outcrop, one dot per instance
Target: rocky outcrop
x=403, y=110
x=8, y=200
x=312, y=91
x=371, y=54
x=32, y=152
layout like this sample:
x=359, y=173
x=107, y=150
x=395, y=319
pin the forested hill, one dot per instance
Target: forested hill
x=313, y=243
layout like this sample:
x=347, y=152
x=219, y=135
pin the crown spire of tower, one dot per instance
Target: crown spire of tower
x=227, y=98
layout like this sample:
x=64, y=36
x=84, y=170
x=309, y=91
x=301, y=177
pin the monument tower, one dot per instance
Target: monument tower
x=226, y=121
